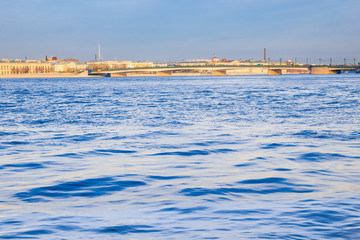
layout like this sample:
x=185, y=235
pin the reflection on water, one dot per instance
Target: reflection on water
x=250, y=157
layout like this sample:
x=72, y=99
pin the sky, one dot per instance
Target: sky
x=165, y=30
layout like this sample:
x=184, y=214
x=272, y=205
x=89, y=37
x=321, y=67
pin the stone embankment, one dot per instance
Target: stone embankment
x=48, y=75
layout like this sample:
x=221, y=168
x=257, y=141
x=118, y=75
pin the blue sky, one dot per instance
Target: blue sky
x=159, y=30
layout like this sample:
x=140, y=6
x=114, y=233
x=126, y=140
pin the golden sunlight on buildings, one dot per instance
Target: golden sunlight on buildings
x=8, y=67
x=114, y=65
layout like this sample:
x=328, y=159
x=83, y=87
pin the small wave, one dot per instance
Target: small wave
x=264, y=180
x=318, y=218
x=126, y=229
x=118, y=138
x=320, y=172
x=223, y=150
x=21, y=92
x=110, y=151
x=99, y=152
x=183, y=210
x=37, y=232
x=4, y=147
x=67, y=227
x=310, y=134
x=194, y=152
x=210, y=143
x=354, y=135
x=244, y=211
x=41, y=121
x=193, y=192
x=167, y=177
x=5, y=105
x=22, y=166
x=78, y=138
x=85, y=137
x=69, y=155
x=184, y=153
x=244, y=165
x=12, y=222
x=283, y=169
x=8, y=133
x=31, y=234
x=180, y=166
x=267, y=186
x=329, y=135
x=15, y=143
x=204, y=93
x=95, y=187
x=317, y=156
x=276, y=145
x=325, y=217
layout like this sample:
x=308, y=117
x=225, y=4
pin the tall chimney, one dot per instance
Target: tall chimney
x=264, y=54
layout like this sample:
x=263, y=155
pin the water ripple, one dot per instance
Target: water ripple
x=89, y=188
x=250, y=157
x=193, y=192
x=126, y=229
x=31, y=234
x=30, y=165
x=318, y=156
x=111, y=151
x=167, y=177
x=243, y=212
x=183, y=210
x=193, y=152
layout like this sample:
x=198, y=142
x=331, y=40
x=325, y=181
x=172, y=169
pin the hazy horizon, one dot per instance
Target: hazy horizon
x=159, y=30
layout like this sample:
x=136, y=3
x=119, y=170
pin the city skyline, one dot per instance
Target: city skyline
x=159, y=30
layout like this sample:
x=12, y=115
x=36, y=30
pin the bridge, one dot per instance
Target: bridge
x=224, y=70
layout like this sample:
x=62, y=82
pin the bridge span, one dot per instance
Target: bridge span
x=223, y=71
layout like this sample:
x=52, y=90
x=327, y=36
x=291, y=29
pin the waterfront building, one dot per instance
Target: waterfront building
x=289, y=63
x=11, y=67
x=215, y=59
x=142, y=64
x=113, y=65
x=70, y=67
x=234, y=63
x=160, y=64
x=109, y=65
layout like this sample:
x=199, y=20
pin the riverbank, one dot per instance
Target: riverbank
x=48, y=75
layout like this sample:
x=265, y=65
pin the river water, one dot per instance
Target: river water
x=242, y=157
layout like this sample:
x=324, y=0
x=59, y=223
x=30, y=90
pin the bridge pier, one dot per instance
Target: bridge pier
x=119, y=75
x=164, y=74
x=275, y=72
x=321, y=70
x=218, y=73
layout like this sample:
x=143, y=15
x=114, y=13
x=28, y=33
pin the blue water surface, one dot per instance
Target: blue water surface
x=241, y=157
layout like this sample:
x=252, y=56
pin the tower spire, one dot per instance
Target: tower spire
x=99, y=58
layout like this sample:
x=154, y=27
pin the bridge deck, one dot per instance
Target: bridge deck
x=224, y=70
